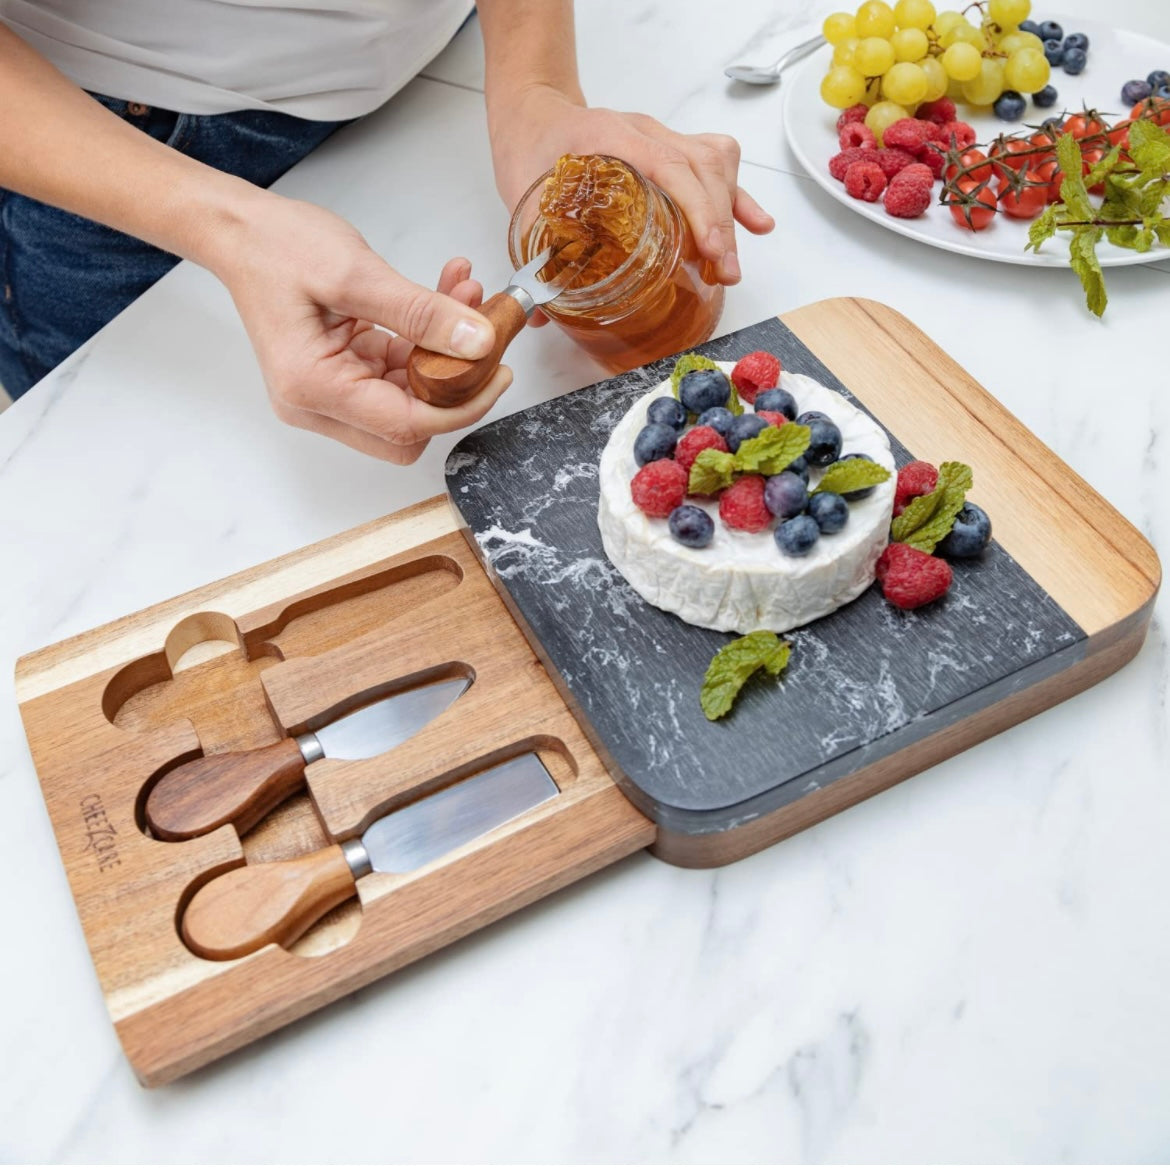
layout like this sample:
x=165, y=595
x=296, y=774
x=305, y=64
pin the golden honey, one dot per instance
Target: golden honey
x=644, y=291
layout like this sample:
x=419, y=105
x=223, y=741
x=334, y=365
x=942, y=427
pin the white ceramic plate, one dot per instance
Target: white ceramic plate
x=1115, y=56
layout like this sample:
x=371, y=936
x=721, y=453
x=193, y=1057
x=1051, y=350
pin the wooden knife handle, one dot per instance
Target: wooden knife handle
x=447, y=381
x=235, y=788
x=274, y=902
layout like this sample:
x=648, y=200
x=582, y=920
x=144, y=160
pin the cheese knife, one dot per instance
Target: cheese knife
x=242, y=910
x=239, y=788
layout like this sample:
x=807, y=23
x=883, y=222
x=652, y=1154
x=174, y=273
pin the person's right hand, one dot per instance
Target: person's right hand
x=311, y=292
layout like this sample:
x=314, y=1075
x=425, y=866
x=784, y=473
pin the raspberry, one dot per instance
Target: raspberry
x=742, y=505
x=854, y=134
x=940, y=111
x=659, y=487
x=915, y=479
x=909, y=193
x=963, y=135
x=840, y=163
x=908, y=133
x=755, y=372
x=865, y=180
x=773, y=417
x=857, y=114
x=696, y=440
x=911, y=578
x=892, y=160
x=931, y=157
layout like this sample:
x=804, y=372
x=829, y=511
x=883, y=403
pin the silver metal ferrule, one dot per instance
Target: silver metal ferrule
x=522, y=298
x=310, y=747
x=357, y=858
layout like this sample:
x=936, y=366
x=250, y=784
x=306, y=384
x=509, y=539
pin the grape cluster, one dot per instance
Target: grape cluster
x=893, y=58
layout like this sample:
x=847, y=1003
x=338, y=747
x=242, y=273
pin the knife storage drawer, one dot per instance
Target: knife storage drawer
x=284, y=648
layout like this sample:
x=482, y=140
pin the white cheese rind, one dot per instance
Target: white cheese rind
x=741, y=581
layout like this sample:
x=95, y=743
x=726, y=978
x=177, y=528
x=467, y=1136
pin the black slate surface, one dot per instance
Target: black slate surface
x=862, y=682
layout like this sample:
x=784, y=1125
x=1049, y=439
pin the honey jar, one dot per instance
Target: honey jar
x=643, y=291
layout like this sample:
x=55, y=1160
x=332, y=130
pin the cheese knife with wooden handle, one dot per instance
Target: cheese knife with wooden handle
x=239, y=788
x=242, y=910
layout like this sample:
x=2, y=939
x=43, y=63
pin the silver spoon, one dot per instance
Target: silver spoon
x=757, y=75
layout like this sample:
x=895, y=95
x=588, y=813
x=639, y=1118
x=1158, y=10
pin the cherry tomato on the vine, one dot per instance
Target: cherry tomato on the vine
x=1028, y=201
x=971, y=158
x=1156, y=109
x=974, y=216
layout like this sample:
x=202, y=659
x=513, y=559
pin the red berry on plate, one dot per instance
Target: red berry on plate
x=915, y=479
x=932, y=157
x=659, y=487
x=840, y=163
x=697, y=439
x=854, y=134
x=940, y=111
x=773, y=417
x=853, y=114
x=893, y=159
x=909, y=134
x=755, y=372
x=866, y=181
x=911, y=578
x=958, y=134
x=742, y=505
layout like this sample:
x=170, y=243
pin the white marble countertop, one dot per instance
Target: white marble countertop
x=972, y=966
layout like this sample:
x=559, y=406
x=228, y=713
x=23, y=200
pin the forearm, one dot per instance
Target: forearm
x=528, y=45
x=60, y=146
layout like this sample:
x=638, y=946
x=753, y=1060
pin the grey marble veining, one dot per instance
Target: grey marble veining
x=863, y=682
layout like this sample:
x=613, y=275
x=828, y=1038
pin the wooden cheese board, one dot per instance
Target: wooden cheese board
x=287, y=647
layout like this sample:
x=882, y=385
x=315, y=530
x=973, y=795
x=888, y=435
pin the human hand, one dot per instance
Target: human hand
x=699, y=171
x=310, y=292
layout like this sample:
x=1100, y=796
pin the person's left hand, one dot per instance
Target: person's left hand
x=699, y=171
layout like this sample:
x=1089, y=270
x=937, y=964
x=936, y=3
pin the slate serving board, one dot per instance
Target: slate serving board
x=864, y=682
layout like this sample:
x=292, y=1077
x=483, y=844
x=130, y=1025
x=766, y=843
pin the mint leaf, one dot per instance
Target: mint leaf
x=927, y=519
x=773, y=449
x=734, y=664
x=1149, y=145
x=1073, y=192
x=687, y=363
x=1102, y=167
x=1042, y=229
x=711, y=472
x=1082, y=255
x=733, y=402
x=851, y=475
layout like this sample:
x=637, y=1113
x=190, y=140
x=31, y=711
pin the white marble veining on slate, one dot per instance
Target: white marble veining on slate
x=970, y=967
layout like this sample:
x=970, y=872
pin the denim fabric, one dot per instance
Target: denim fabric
x=62, y=277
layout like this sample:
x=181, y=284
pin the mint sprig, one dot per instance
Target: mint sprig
x=711, y=472
x=773, y=449
x=734, y=664
x=927, y=519
x=851, y=475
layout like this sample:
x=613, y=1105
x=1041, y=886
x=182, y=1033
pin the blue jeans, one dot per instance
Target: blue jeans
x=62, y=277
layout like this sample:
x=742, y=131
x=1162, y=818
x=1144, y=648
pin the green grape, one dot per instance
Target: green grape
x=1028, y=71
x=873, y=56
x=875, y=18
x=1009, y=13
x=1031, y=41
x=988, y=85
x=962, y=61
x=882, y=115
x=936, y=78
x=910, y=44
x=954, y=90
x=1013, y=42
x=945, y=21
x=914, y=14
x=842, y=87
x=838, y=27
x=905, y=83
x=843, y=53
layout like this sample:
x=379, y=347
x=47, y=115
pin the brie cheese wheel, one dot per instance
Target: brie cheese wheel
x=742, y=581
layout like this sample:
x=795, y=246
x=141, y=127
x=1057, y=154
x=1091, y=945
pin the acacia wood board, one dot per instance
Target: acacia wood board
x=871, y=694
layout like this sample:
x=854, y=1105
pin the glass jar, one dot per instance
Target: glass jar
x=663, y=299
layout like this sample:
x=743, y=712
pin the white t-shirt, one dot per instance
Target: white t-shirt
x=321, y=59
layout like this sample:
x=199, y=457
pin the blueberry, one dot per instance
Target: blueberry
x=718, y=418
x=796, y=536
x=1163, y=92
x=1049, y=30
x=667, y=411
x=778, y=400
x=1054, y=51
x=825, y=439
x=654, y=441
x=785, y=495
x=1076, y=41
x=829, y=510
x=700, y=390
x=969, y=535
x=1075, y=61
x=1030, y=26
x=691, y=526
x=1046, y=97
x=799, y=466
x=1010, y=106
x=861, y=493
x=1158, y=78
x=747, y=426
x=1135, y=91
